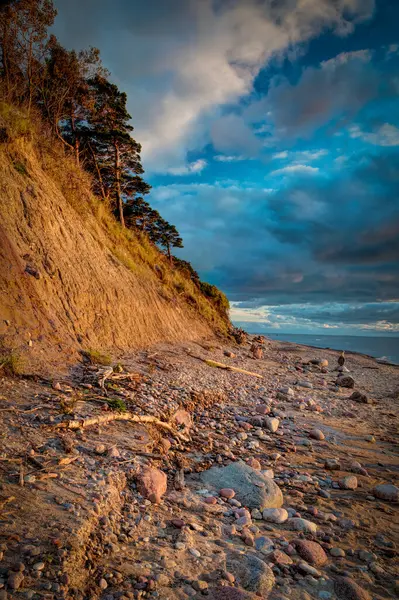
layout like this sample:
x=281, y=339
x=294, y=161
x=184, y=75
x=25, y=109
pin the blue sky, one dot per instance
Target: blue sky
x=270, y=135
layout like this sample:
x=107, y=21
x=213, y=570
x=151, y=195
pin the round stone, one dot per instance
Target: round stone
x=317, y=434
x=312, y=552
x=348, y=483
x=227, y=493
x=347, y=589
x=387, y=491
x=275, y=515
x=298, y=524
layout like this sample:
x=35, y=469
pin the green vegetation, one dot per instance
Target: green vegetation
x=11, y=363
x=97, y=358
x=116, y=404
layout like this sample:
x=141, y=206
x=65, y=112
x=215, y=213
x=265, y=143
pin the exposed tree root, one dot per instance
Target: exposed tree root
x=213, y=363
x=103, y=419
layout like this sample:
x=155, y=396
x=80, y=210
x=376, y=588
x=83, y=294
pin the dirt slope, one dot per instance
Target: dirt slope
x=68, y=276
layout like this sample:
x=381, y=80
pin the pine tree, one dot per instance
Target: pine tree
x=114, y=152
x=168, y=237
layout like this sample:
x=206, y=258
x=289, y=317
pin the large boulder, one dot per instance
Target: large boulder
x=348, y=589
x=252, y=573
x=252, y=488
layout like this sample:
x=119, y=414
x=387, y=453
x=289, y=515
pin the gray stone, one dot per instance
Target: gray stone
x=387, y=491
x=298, y=524
x=275, y=515
x=253, y=574
x=252, y=488
x=346, y=381
x=271, y=424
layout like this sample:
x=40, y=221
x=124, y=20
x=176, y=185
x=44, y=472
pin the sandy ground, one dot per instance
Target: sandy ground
x=73, y=524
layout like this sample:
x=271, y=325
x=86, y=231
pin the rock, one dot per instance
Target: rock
x=182, y=419
x=286, y=391
x=253, y=574
x=317, y=434
x=254, y=464
x=194, y=552
x=152, y=484
x=271, y=424
x=303, y=566
x=332, y=464
x=337, y=552
x=229, y=354
x=229, y=593
x=15, y=579
x=387, y=491
x=370, y=438
x=165, y=444
x=356, y=467
x=305, y=384
x=323, y=362
x=103, y=584
x=312, y=552
x=347, y=589
x=200, y=585
x=275, y=515
x=262, y=409
x=3, y=595
x=280, y=558
x=361, y=398
x=227, y=493
x=252, y=488
x=100, y=449
x=113, y=452
x=257, y=352
x=348, y=483
x=264, y=545
x=345, y=381
x=39, y=566
x=298, y=524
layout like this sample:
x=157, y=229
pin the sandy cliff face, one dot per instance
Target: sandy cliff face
x=67, y=282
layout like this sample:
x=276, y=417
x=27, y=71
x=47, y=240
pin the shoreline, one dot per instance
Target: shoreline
x=328, y=348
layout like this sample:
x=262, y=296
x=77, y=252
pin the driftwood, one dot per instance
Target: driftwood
x=213, y=363
x=103, y=419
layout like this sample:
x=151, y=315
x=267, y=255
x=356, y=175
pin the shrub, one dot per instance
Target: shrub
x=97, y=358
x=11, y=363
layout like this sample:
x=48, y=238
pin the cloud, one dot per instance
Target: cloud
x=224, y=158
x=296, y=170
x=280, y=155
x=181, y=61
x=195, y=167
x=384, y=135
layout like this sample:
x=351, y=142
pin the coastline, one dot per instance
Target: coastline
x=347, y=352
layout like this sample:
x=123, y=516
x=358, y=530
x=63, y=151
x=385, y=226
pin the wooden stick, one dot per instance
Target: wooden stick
x=103, y=419
x=212, y=363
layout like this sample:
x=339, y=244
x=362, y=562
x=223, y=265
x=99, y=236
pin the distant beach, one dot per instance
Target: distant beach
x=379, y=347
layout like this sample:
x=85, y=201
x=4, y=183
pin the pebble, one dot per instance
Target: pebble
x=348, y=483
x=227, y=493
x=275, y=515
x=337, y=552
x=298, y=524
x=103, y=584
x=39, y=566
x=332, y=464
x=387, y=491
x=272, y=424
x=195, y=552
x=317, y=434
x=312, y=552
x=15, y=580
x=303, y=566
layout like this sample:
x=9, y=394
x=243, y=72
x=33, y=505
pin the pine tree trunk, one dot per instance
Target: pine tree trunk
x=118, y=193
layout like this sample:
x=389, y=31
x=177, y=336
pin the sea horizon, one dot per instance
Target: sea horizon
x=382, y=347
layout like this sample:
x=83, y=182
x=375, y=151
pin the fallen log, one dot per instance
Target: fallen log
x=104, y=419
x=213, y=363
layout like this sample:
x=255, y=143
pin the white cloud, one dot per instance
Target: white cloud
x=224, y=158
x=296, y=169
x=280, y=155
x=385, y=135
x=194, y=167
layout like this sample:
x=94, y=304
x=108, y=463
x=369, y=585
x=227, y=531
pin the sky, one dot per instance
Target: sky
x=270, y=135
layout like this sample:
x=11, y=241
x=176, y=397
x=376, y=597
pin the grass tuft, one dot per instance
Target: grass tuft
x=97, y=358
x=11, y=364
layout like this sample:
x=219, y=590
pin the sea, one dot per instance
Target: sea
x=386, y=348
